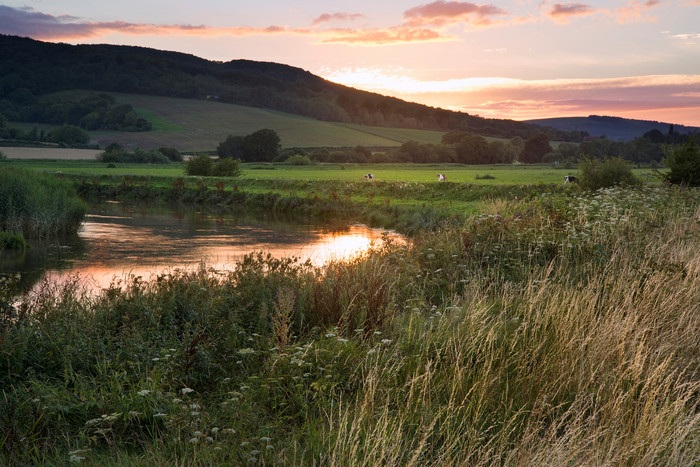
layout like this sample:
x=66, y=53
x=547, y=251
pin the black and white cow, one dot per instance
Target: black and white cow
x=368, y=176
x=570, y=179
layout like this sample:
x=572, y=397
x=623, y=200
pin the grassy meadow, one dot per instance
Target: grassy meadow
x=526, y=323
x=200, y=125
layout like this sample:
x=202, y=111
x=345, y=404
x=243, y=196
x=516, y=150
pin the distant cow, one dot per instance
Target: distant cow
x=570, y=179
x=442, y=178
x=368, y=176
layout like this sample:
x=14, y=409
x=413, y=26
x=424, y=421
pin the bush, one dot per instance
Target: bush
x=684, y=162
x=227, y=167
x=202, y=165
x=298, y=159
x=594, y=174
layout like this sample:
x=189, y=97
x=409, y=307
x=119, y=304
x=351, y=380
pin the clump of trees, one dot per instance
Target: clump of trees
x=115, y=153
x=259, y=146
x=684, y=162
x=596, y=173
x=204, y=166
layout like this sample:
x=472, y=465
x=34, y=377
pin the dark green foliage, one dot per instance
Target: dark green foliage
x=69, y=135
x=114, y=153
x=38, y=205
x=535, y=148
x=298, y=159
x=201, y=164
x=171, y=153
x=232, y=146
x=12, y=241
x=261, y=146
x=684, y=162
x=226, y=167
x=594, y=173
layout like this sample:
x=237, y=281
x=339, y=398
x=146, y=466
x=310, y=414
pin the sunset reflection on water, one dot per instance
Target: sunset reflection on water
x=130, y=243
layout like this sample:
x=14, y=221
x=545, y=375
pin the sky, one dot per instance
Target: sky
x=515, y=59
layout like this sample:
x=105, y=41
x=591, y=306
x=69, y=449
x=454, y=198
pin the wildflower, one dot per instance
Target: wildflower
x=386, y=341
x=210, y=439
x=229, y=431
x=246, y=351
x=215, y=430
x=186, y=390
x=266, y=439
x=177, y=401
x=160, y=415
x=155, y=359
x=143, y=392
x=330, y=334
x=269, y=447
x=134, y=413
x=340, y=339
x=194, y=440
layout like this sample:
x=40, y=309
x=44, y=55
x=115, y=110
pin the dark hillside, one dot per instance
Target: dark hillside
x=614, y=128
x=30, y=69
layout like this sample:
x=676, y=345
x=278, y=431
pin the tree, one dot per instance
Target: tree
x=261, y=146
x=227, y=167
x=594, y=173
x=232, y=146
x=684, y=162
x=473, y=149
x=199, y=165
x=535, y=148
x=69, y=135
x=171, y=153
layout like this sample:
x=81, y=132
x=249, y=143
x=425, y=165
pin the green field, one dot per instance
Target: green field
x=192, y=125
x=502, y=174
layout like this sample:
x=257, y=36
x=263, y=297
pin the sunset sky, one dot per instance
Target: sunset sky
x=516, y=59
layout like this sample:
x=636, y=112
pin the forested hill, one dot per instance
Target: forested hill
x=30, y=69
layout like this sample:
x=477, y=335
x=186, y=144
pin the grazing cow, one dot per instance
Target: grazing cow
x=442, y=178
x=369, y=176
x=570, y=179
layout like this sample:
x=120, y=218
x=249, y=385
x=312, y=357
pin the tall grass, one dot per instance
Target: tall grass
x=38, y=205
x=561, y=330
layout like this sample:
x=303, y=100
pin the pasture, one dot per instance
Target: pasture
x=192, y=125
x=424, y=173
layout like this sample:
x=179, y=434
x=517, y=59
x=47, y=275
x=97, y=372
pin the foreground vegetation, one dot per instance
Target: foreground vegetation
x=556, y=329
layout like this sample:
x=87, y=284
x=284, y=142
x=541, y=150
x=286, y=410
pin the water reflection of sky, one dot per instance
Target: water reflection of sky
x=120, y=242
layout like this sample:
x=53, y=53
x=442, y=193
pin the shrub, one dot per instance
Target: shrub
x=298, y=159
x=594, y=174
x=202, y=165
x=684, y=162
x=485, y=177
x=227, y=167
x=171, y=153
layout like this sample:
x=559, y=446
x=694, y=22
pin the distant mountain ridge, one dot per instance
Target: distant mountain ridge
x=614, y=128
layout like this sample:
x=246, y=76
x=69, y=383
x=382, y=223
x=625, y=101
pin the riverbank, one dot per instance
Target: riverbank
x=561, y=325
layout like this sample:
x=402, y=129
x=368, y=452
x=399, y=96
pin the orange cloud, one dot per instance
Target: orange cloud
x=635, y=11
x=327, y=17
x=440, y=13
x=385, y=36
x=561, y=10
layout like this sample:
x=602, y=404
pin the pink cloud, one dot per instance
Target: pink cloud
x=441, y=12
x=26, y=22
x=635, y=11
x=327, y=17
x=570, y=9
x=386, y=36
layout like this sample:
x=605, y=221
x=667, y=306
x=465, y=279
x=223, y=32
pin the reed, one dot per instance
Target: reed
x=38, y=205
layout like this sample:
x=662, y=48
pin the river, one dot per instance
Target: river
x=117, y=241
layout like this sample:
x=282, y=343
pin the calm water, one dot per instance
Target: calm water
x=117, y=241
